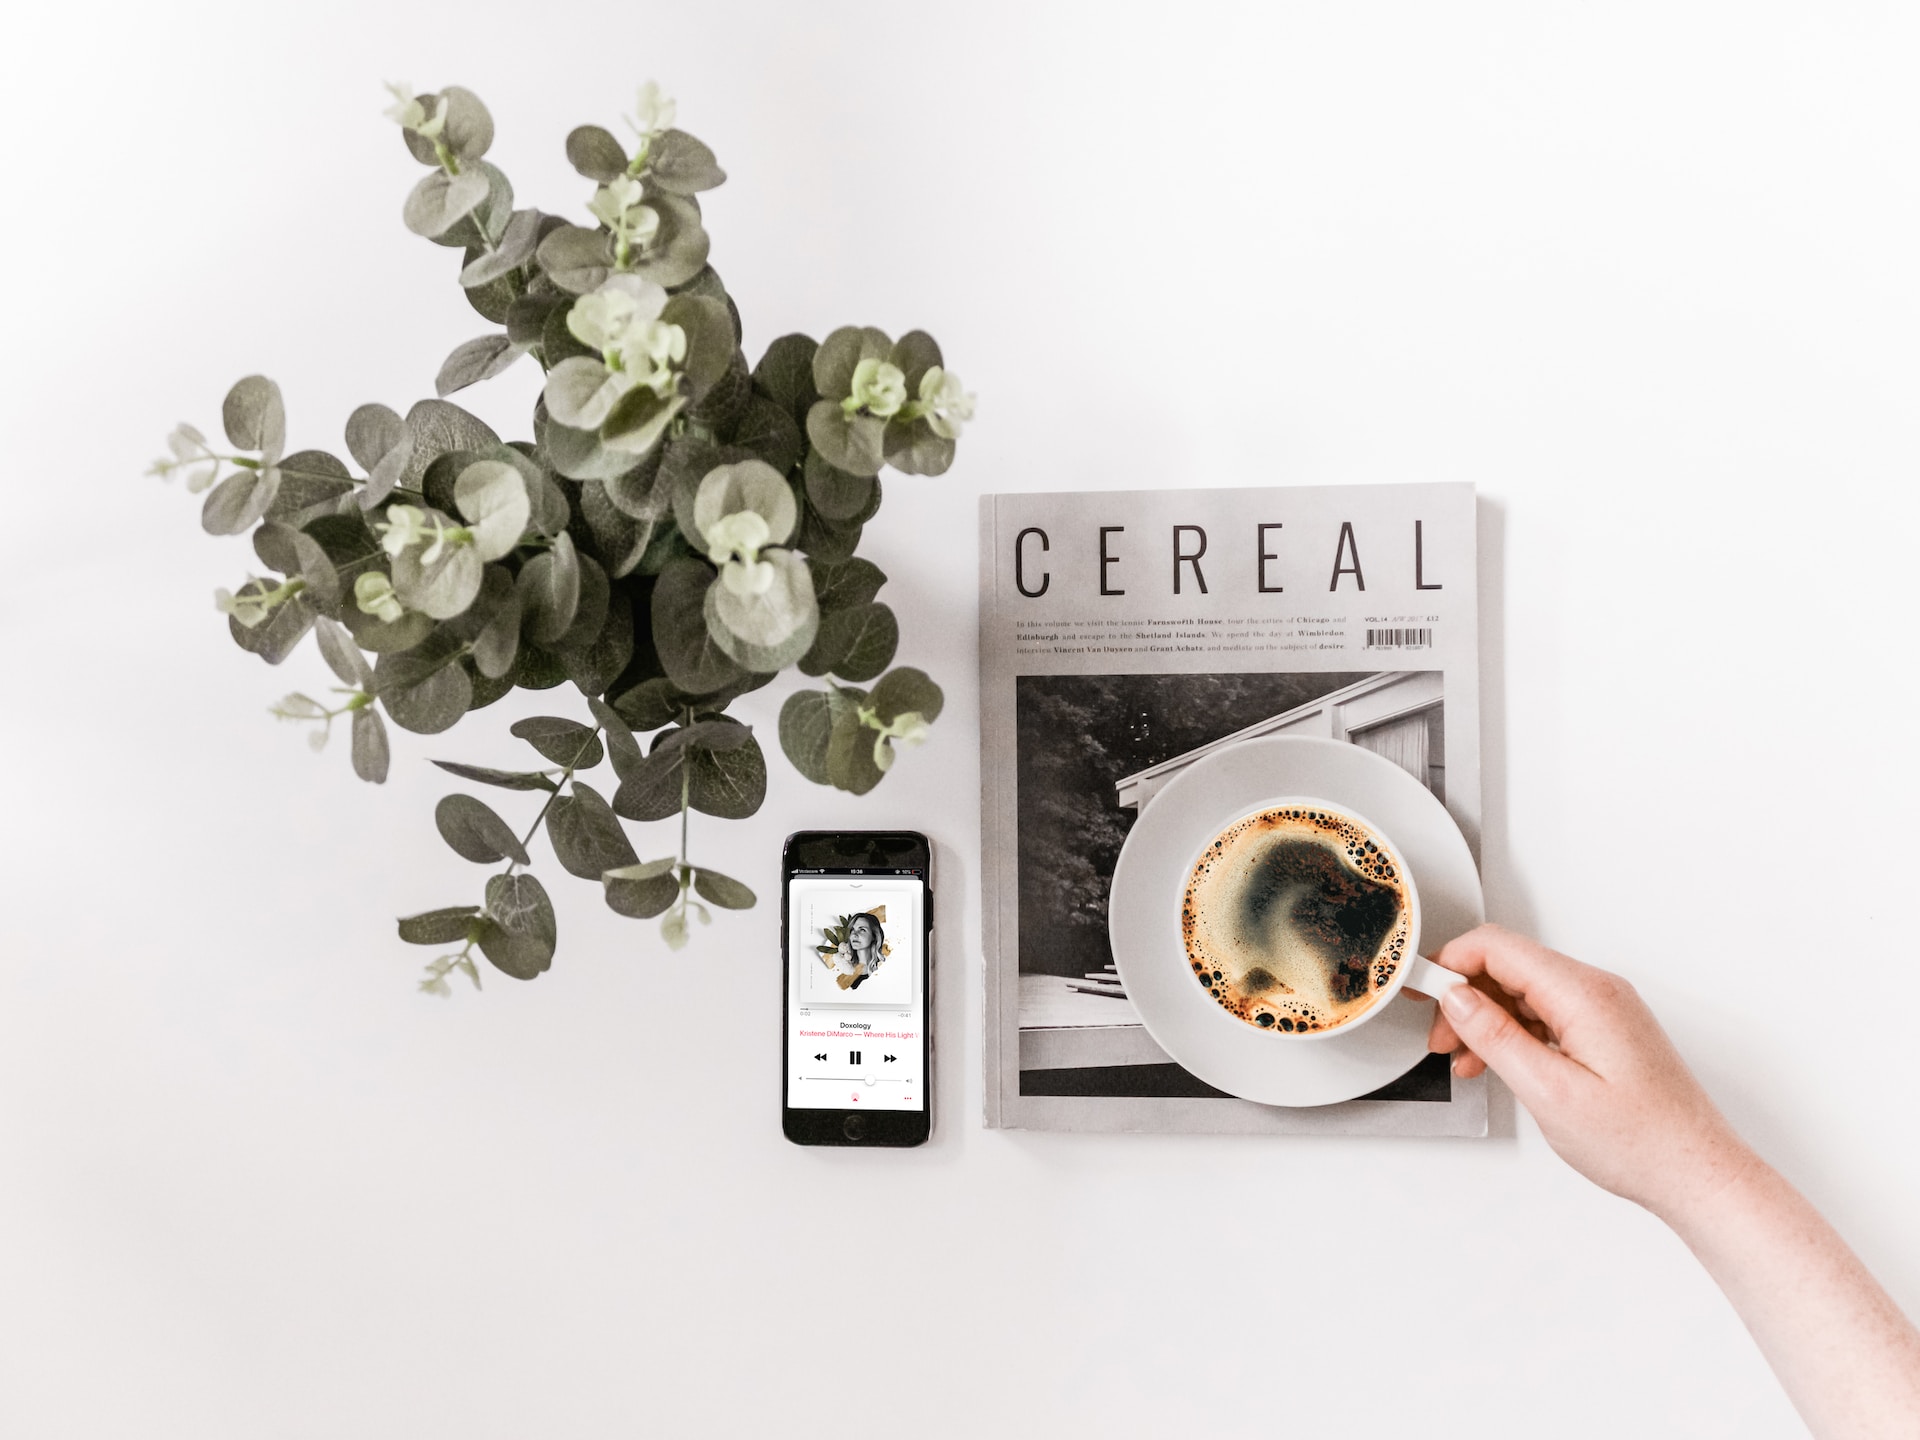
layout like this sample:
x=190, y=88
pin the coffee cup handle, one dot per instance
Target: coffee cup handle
x=1430, y=979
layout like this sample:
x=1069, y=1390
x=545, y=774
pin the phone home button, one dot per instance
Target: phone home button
x=854, y=1126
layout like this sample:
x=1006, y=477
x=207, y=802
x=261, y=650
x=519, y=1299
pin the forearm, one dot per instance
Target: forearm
x=1846, y=1356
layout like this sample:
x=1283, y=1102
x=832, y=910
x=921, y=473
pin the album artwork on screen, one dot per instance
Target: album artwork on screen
x=847, y=955
x=1123, y=637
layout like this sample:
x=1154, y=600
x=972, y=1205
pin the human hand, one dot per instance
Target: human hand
x=1584, y=1054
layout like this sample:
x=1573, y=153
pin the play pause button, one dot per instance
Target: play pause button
x=853, y=1057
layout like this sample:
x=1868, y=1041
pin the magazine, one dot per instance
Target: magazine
x=1125, y=634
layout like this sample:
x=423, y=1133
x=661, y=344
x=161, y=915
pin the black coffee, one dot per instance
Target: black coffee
x=1296, y=919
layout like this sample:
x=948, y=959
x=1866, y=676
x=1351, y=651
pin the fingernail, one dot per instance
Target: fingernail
x=1460, y=1001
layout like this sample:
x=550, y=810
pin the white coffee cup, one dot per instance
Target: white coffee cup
x=1415, y=972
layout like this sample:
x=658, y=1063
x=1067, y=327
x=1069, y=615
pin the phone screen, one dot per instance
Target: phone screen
x=856, y=987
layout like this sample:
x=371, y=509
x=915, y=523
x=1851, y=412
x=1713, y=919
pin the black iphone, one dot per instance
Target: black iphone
x=856, y=979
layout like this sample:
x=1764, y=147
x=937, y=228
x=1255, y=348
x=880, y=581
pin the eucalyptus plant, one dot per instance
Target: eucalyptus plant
x=681, y=528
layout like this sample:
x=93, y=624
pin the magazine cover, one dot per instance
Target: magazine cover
x=1123, y=636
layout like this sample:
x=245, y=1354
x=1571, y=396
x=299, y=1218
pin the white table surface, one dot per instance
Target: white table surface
x=1645, y=274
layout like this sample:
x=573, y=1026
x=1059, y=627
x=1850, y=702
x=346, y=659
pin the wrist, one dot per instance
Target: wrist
x=1717, y=1180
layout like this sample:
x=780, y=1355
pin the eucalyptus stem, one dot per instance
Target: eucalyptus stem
x=553, y=795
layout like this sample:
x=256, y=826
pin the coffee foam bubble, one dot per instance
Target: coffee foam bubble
x=1296, y=919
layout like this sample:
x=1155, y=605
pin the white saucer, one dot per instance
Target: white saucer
x=1143, y=917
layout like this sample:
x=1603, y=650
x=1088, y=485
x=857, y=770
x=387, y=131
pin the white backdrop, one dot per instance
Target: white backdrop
x=1644, y=273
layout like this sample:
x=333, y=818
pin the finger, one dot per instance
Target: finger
x=1467, y=1065
x=1527, y=1066
x=1548, y=983
x=1441, y=1039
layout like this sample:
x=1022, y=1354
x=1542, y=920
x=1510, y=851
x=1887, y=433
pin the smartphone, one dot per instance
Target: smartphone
x=856, y=938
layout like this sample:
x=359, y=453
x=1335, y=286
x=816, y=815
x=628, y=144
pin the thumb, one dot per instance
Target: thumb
x=1496, y=1037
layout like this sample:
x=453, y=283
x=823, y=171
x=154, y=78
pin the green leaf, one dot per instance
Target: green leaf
x=424, y=689
x=834, y=492
x=744, y=485
x=309, y=480
x=343, y=657
x=469, y=128
x=850, y=745
x=840, y=355
x=521, y=940
x=440, y=927
x=586, y=835
x=254, y=415
x=635, y=492
x=595, y=665
x=642, y=891
x=693, y=660
x=238, y=501
x=679, y=248
x=620, y=539
x=785, y=375
x=514, y=250
x=498, y=643
x=651, y=790
x=912, y=448
x=915, y=353
x=769, y=432
x=371, y=753
x=444, y=587
x=856, y=643
x=535, y=668
x=683, y=465
x=505, y=779
x=576, y=259
x=583, y=394
x=373, y=634
x=730, y=783
x=621, y=744
x=565, y=742
x=440, y=201
x=722, y=890
x=439, y=427
x=373, y=431
x=550, y=591
x=282, y=631
x=596, y=154
x=843, y=584
x=806, y=723
x=904, y=690
x=677, y=162
x=475, y=832
x=486, y=689
x=710, y=339
x=853, y=443
x=770, y=630
x=477, y=360
x=637, y=420
x=491, y=496
x=527, y=318
x=822, y=540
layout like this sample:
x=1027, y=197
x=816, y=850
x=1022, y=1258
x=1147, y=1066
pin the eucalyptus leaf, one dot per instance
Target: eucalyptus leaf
x=730, y=783
x=521, y=940
x=596, y=154
x=834, y=492
x=498, y=642
x=840, y=355
x=912, y=447
x=636, y=493
x=424, y=689
x=575, y=258
x=343, y=657
x=486, y=689
x=906, y=690
x=693, y=660
x=854, y=443
x=856, y=643
x=468, y=131
x=806, y=723
x=526, y=320
x=505, y=779
x=254, y=416
x=514, y=250
x=381, y=637
x=579, y=455
x=722, y=890
x=475, y=832
x=679, y=163
x=822, y=540
x=710, y=338
x=309, y=480
x=785, y=375
x=239, y=501
x=771, y=629
x=642, y=897
x=913, y=354
x=769, y=432
x=442, y=587
x=850, y=745
x=565, y=742
x=440, y=201
x=537, y=668
x=441, y=927
x=280, y=633
x=491, y=496
x=550, y=591
x=581, y=392
x=652, y=790
x=586, y=835
x=621, y=744
x=678, y=251
x=595, y=665
x=439, y=427
x=372, y=432
x=478, y=359
x=638, y=419
x=842, y=584
x=620, y=539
